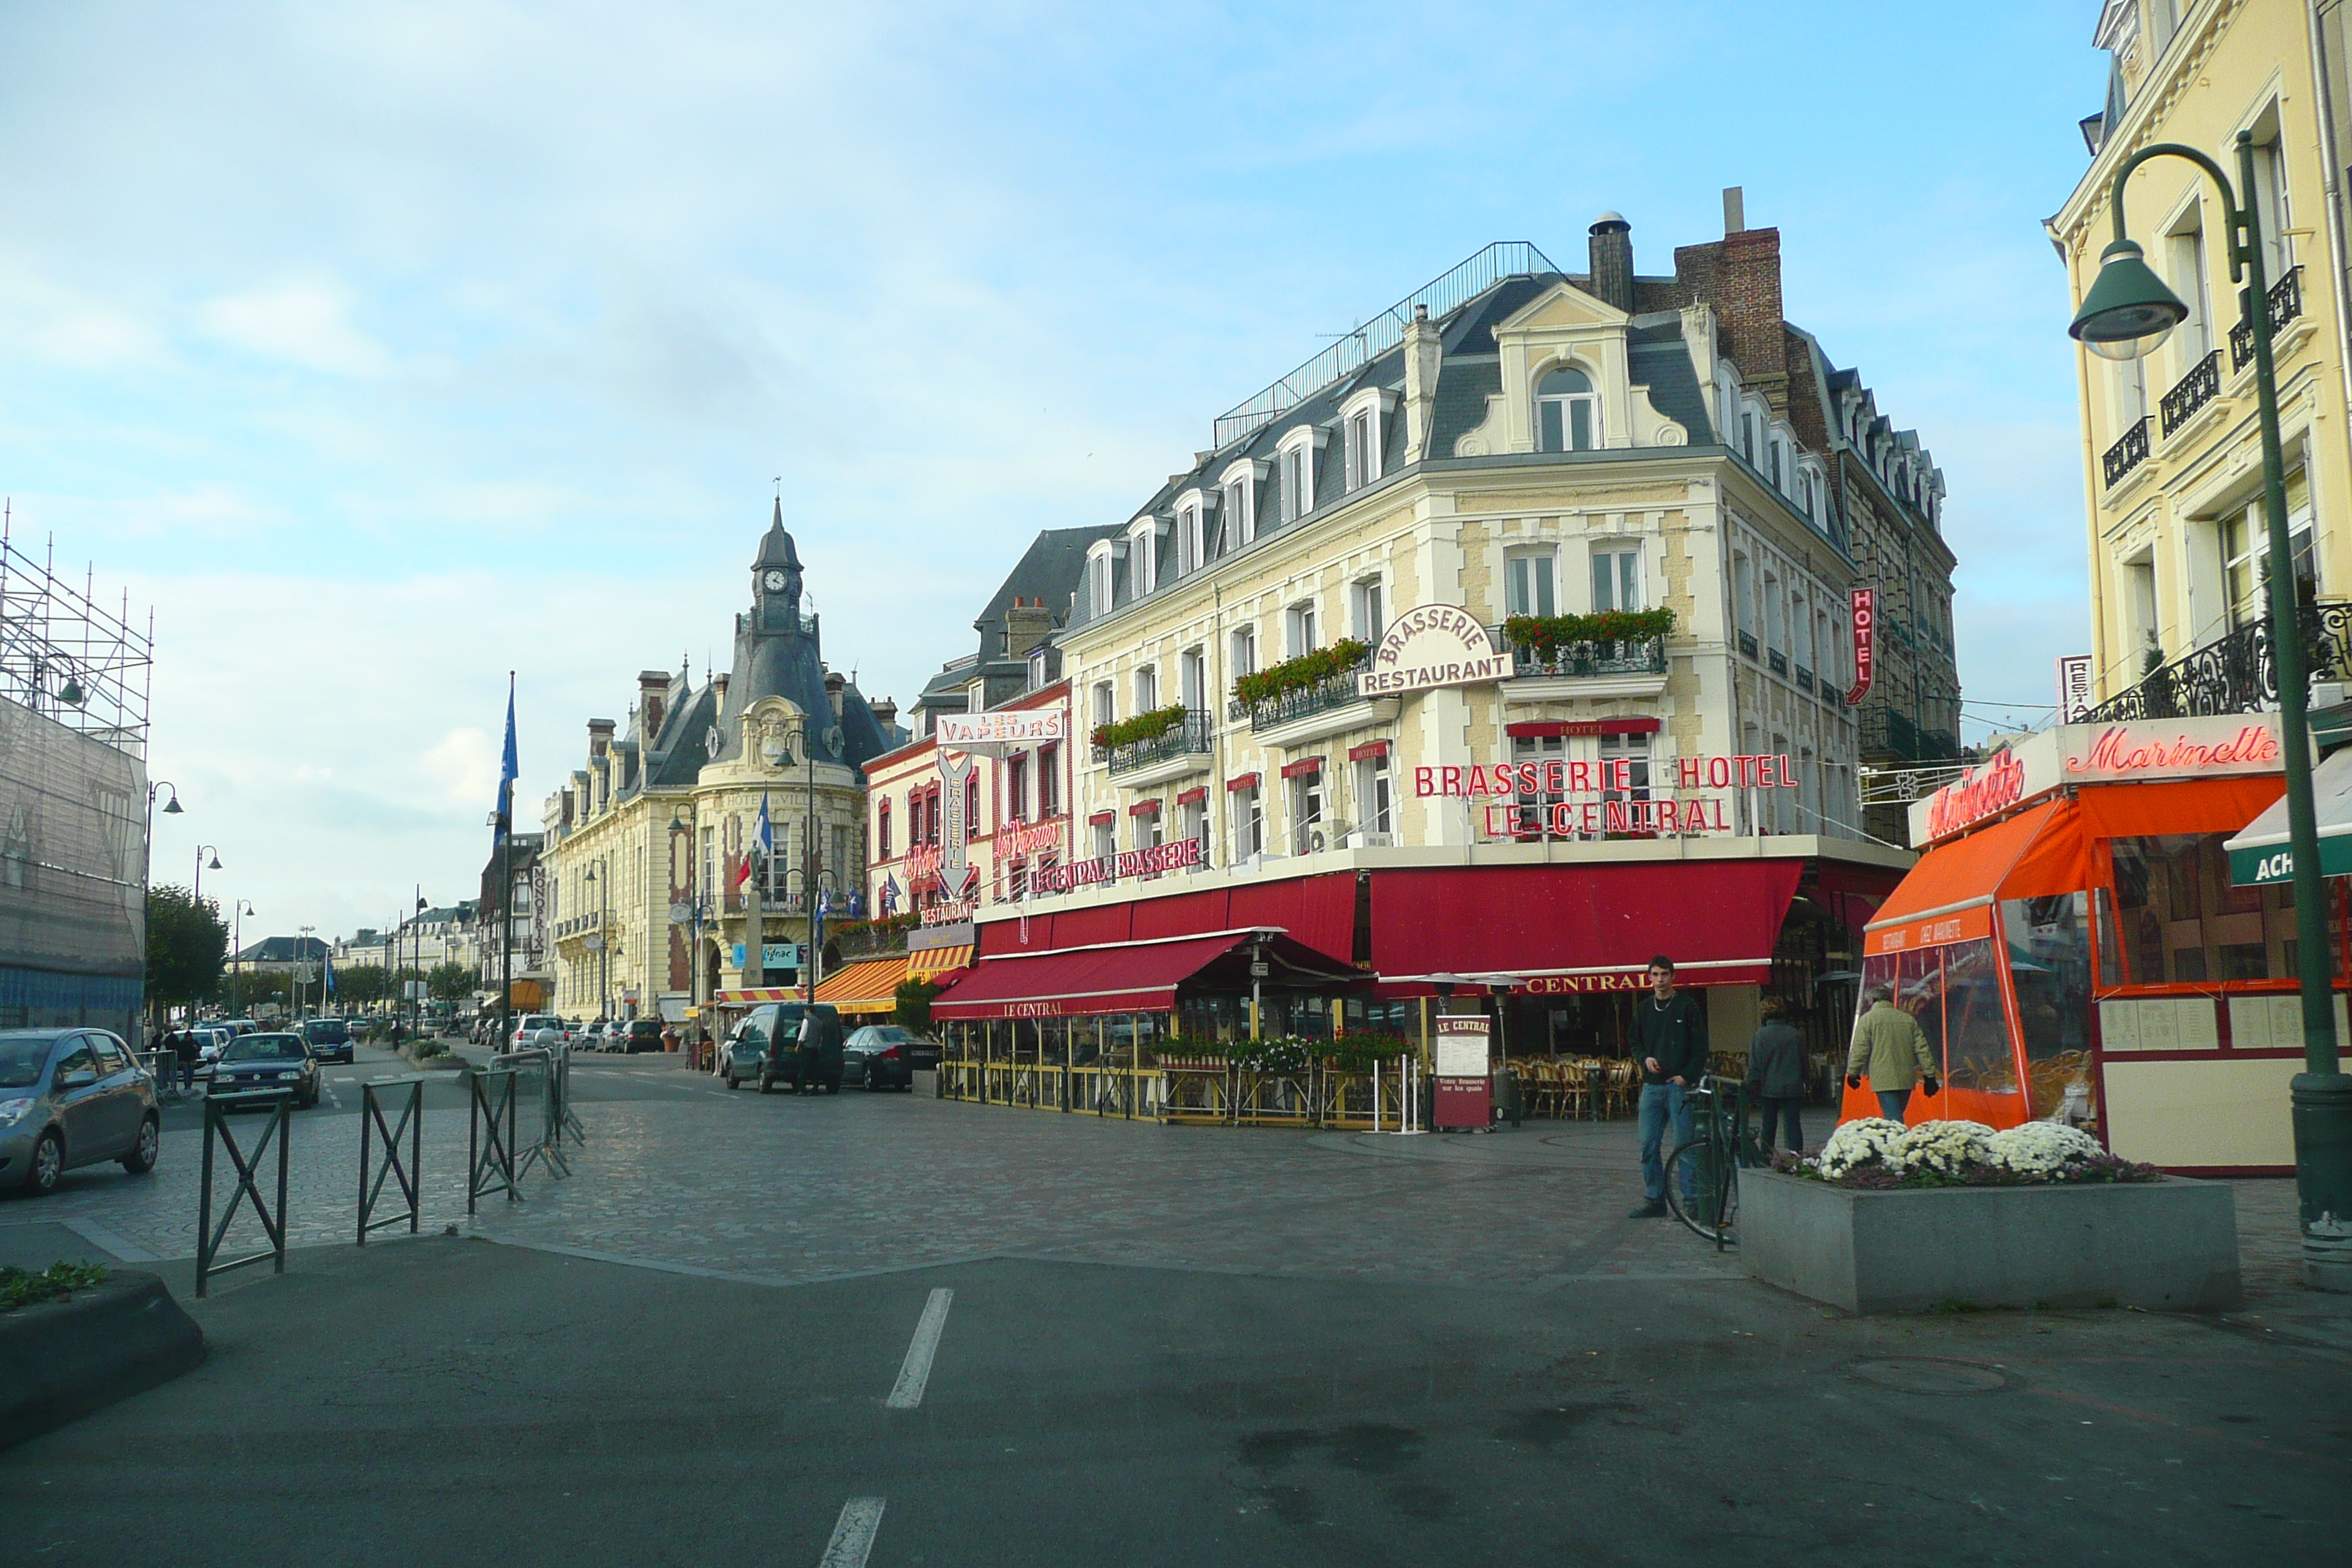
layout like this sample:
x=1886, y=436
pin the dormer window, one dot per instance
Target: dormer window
x=1143, y=555
x=1297, y=469
x=1191, y=541
x=1568, y=414
x=1099, y=569
x=1359, y=429
x=1239, y=489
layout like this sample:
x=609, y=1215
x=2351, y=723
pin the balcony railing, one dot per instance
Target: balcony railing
x=1335, y=690
x=1776, y=660
x=1832, y=695
x=2235, y=674
x=1805, y=679
x=2127, y=454
x=2285, y=304
x=1190, y=736
x=1577, y=659
x=1747, y=644
x=2192, y=391
x=1886, y=730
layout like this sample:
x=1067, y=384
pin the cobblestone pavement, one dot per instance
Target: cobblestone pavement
x=787, y=1190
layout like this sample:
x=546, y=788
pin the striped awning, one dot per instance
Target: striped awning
x=758, y=994
x=937, y=960
x=869, y=985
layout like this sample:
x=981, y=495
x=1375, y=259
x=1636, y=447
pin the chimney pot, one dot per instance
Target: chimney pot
x=1612, y=279
x=1734, y=210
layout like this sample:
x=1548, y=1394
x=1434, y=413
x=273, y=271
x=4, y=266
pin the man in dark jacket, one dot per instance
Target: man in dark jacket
x=1775, y=1075
x=1670, y=1042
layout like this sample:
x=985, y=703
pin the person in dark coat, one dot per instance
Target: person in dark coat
x=812, y=1054
x=1670, y=1042
x=184, y=1045
x=1775, y=1075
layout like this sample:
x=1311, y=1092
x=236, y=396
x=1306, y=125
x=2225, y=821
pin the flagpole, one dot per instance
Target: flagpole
x=506, y=880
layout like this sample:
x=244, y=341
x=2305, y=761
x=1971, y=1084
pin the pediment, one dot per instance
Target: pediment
x=1562, y=307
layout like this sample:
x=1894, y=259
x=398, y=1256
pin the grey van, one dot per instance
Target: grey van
x=770, y=1036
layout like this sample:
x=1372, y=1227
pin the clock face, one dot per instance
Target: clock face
x=776, y=581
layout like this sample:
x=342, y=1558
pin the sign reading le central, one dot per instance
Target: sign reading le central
x=1433, y=646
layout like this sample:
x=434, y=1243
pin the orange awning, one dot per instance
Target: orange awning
x=868, y=986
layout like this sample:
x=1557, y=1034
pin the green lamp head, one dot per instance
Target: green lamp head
x=2128, y=311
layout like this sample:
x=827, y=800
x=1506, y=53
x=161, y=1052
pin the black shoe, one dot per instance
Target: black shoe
x=1654, y=1209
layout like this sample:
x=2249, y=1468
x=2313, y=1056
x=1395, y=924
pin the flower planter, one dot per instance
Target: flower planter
x=2171, y=1244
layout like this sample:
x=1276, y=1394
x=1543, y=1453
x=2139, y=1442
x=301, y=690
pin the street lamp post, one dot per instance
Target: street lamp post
x=170, y=808
x=2127, y=312
x=236, y=950
x=202, y=850
x=301, y=974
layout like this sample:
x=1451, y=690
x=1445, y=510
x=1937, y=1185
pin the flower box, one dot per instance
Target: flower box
x=2170, y=1244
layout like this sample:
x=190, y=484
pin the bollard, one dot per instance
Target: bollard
x=491, y=1137
x=403, y=1168
x=273, y=1220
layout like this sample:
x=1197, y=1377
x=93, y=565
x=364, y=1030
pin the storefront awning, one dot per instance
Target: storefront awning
x=868, y=986
x=2259, y=854
x=1126, y=976
x=933, y=962
x=745, y=999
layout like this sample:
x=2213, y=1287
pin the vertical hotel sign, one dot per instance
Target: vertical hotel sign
x=1865, y=643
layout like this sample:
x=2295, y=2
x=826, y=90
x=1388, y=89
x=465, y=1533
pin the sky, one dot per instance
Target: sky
x=387, y=348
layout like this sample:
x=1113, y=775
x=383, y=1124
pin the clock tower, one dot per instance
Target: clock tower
x=776, y=579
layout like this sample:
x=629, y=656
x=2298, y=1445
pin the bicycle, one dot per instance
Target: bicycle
x=1721, y=1143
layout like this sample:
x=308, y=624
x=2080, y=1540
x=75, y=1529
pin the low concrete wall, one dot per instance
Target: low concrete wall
x=61, y=1360
x=2170, y=1243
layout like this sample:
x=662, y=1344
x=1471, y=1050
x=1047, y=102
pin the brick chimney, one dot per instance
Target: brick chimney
x=653, y=704
x=1612, y=262
x=1739, y=277
x=834, y=682
x=1026, y=624
x=599, y=737
x=886, y=713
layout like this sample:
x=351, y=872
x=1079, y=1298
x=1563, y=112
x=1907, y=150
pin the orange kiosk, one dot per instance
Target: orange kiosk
x=2074, y=948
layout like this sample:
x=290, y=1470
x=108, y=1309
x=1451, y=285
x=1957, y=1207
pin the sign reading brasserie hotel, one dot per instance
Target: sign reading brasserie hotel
x=1525, y=797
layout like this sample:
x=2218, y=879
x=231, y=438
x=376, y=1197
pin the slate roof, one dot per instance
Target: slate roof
x=285, y=950
x=1050, y=570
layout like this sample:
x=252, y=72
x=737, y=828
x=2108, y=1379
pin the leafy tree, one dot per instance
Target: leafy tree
x=361, y=985
x=187, y=944
x=913, y=1009
x=452, y=981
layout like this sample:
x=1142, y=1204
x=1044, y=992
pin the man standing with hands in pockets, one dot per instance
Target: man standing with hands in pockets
x=1670, y=1042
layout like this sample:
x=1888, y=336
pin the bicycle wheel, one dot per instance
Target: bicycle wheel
x=1714, y=1201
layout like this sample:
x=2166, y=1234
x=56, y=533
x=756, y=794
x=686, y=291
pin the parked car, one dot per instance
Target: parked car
x=768, y=1036
x=278, y=1060
x=738, y=1058
x=73, y=1097
x=883, y=1056
x=527, y=1028
x=239, y=1025
x=329, y=1039
x=644, y=1034
x=211, y=1040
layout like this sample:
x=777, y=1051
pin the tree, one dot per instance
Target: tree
x=913, y=1010
x=187, y=944
x=361, y=985
x=452, y=981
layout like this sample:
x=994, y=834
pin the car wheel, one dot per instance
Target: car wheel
x=766, y=1083
x=48, y=1163
x=141, y=1158
x=733, y=1082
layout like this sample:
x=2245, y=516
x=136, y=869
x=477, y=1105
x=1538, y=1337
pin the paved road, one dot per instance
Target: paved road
x=1162, y=1345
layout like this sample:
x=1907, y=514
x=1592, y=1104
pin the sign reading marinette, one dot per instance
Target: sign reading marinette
x=1434, y=646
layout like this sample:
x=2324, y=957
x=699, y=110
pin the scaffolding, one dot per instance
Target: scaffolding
x=68, y=658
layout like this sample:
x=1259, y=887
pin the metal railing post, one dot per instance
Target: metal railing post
x=406, y=1169
x=273, y=1220
x=490, y=1148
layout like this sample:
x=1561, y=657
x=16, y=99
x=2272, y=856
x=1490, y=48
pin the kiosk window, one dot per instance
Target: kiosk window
x=2182, y=924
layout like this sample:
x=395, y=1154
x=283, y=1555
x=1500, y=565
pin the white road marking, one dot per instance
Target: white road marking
x=917, y=1371
x=853, y=1533
x=332, y=1098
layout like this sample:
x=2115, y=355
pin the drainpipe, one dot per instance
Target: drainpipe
x=2330, y=178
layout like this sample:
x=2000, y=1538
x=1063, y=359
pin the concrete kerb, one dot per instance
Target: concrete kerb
x=61, y=1360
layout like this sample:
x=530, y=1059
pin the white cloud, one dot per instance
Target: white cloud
x=300, y=322
x=464, y=763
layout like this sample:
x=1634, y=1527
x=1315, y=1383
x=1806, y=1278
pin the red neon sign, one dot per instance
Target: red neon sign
x=1865, y=643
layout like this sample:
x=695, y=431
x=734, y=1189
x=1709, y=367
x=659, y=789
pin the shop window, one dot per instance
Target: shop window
x=2243, y=961
x=1955, y=994
x=2050, y=969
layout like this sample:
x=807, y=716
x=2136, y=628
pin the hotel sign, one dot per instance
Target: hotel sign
x=1865, y=643
x=2236, y=745
x=1434, y=646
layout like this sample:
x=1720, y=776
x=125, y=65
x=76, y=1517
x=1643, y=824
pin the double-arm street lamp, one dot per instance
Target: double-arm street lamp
x=2128, y=312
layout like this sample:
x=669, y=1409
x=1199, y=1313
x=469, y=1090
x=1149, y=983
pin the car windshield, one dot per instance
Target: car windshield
x=21, y=1060
x=264, y=1047
x=887, y=1034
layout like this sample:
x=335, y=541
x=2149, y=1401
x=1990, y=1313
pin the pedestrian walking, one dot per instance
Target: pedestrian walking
x=1891, y=1050
x=184, y=1045
x=1670, y=1042
x=1775, y=1075
x=810, y=1052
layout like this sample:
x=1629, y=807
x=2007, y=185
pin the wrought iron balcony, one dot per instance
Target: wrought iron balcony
x=1884, y=731
x=2285, y=301
x=1776, y=660
x=1832, y=695
x=1805, y=679
x=2235, y=674
x=2192, y=391
x=1333, y=692
x=2127, y=454
x=1747, y=644
x=1191, y=736
x=1572, y=660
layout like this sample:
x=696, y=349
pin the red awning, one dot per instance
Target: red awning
x=1557, y=926
x=1121, y=977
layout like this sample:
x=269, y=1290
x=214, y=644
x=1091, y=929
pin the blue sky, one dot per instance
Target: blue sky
x=387, y=348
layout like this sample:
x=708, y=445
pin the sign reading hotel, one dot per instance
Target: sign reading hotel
x=2233, y=745
x=1434, y=646
x=1865, y=643
x=1005, y=727
x=1176, y=855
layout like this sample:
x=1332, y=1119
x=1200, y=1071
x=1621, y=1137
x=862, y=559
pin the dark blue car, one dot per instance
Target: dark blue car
x=268, y=1062
x=329, y=1039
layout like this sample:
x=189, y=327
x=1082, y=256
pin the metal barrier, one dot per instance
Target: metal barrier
x=491, y=1137
x=1389, y=1099
x=549, y=1072
x=273, y=1220
x=405, y=1169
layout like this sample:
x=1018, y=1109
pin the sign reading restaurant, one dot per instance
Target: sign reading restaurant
x=2231, y=746
x=1433, y=646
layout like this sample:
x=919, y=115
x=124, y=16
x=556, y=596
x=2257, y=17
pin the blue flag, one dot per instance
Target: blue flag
x=508, y=768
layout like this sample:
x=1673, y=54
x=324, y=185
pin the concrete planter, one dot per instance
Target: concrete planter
x=60, y=1359
x=2170, y=1244
x=448, y=1061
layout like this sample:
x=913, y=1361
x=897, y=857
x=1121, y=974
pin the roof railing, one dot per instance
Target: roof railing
x=1503, y=259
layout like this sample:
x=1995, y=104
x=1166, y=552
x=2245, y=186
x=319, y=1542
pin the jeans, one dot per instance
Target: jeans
x=1662, y=1104
x=1891, y=1101
x=1778, y=1108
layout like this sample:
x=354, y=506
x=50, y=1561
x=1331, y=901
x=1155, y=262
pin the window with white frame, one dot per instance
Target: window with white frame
x=1193, y=822
x=1239, y=492
x=1147, y=687
x=1106, y=702
x=1038, y=670
x=1099, y=579
x=1776, y=611
x=1366, y=609
x=1017, y=786
x=1748, y=436
x=1361, y=432
x=1106, y=838
x=1296, y=473
x=1299, y=628
x=1244, y=651
x=1143, y=557
x=1307, y=813
x=1249, y=821
x=1194, y=668
x=1616, y=576
x=1375, y=799
x=1148, y=833
x=1531, y=815
x=1529, y=586
x=1625, y=757
x=1049, y=782
x=1568, y=411
x=1192, y=543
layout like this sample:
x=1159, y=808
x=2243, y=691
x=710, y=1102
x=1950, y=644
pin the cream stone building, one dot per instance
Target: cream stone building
x=2172, y=454
x=648, y=898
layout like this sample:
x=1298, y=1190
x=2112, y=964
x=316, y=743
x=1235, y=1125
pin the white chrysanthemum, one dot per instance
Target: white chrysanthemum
x=2040, y=1148
x=1858, y=1143
x=1942, y=1147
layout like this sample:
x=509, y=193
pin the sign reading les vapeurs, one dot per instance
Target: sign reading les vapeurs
x=1865, y=643
x=2149, y=751
x=1010, y=727
x=1433, y=646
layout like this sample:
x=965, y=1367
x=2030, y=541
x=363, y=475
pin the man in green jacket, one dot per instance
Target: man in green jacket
x=1892, y=1051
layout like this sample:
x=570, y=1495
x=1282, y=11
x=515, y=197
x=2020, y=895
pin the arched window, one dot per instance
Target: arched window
x=1568, y=415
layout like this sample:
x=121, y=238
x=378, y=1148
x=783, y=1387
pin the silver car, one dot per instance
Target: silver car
x=73, y=1097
